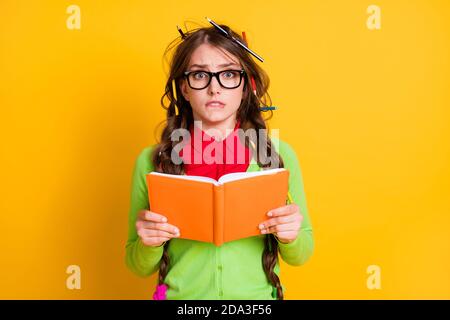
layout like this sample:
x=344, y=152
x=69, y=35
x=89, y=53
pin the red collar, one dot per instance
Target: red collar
x=199, y=154
x=206, y=139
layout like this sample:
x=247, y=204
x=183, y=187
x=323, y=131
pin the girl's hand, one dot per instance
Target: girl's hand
x=284, y=224
x=153, y=229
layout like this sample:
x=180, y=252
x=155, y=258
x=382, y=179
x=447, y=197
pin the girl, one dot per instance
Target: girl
x=209, y=92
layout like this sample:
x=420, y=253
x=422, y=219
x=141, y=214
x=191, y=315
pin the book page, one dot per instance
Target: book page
x=186, y=177
x=244, y=175
x=247, y=202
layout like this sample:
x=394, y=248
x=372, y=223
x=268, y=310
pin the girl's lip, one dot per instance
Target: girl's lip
x=215, y=104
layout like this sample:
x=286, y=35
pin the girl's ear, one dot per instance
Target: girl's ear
x=184, y=92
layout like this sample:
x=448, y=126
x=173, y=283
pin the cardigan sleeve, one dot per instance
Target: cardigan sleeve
x=301, y=249
x=140, y=259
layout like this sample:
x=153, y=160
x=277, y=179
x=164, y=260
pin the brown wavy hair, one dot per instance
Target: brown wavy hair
x=248, y=114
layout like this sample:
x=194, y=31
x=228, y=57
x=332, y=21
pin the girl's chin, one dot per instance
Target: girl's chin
x=214, y=118
x=215, y=113
x=215, y=107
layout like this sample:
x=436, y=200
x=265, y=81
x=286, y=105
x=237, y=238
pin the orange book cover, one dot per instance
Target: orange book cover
x=218, y=211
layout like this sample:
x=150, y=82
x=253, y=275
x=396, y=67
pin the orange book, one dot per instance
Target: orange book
x=218, y=211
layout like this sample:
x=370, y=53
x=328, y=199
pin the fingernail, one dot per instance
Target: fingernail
x=164, y=219
x=263, y=231
x=176, y=230
x=261, y=226
x=269, y=213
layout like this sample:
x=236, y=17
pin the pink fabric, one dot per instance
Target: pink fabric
x=160, y=293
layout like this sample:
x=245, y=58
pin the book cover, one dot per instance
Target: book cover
x=218, y=211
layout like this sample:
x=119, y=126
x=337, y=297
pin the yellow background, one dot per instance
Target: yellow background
x=367, y=112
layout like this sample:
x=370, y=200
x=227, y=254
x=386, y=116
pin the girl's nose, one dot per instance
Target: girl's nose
x=214, y=86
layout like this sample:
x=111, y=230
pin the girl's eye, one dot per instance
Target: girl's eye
x=200, y=75
x=228, y=74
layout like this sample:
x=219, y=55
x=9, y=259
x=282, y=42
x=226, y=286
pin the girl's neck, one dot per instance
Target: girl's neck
x=221, y=129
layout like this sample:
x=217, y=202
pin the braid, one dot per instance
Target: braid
x=269, y=260
x=164, y=264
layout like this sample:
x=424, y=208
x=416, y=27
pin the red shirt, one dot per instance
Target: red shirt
x=204, y=156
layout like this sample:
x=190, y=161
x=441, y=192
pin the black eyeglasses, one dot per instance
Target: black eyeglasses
x=228, y=79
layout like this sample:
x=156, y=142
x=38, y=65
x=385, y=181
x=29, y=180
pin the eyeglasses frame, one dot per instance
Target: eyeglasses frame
x=212, y=75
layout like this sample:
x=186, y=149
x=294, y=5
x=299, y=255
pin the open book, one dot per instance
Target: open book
x=218, y=211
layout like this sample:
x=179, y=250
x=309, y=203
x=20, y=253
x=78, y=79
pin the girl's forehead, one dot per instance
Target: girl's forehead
x=214, y=65
x=207, y=55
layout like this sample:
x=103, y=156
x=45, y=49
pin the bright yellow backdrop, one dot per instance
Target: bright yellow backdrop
x=367, y=112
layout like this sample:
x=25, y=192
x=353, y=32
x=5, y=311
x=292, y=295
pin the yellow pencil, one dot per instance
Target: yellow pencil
x=290, y=198
x=174, y=87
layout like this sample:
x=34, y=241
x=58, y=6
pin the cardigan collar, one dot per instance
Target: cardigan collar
x=201, y=149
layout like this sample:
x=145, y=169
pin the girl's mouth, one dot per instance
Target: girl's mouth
x=215, y=104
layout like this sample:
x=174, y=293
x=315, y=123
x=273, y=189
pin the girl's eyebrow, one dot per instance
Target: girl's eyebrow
x=220, y=65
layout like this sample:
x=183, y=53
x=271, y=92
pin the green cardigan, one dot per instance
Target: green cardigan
x=200, y=270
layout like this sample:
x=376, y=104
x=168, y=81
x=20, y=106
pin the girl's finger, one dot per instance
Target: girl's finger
x=284, y=210
x=278, y=220
x=146, y=233
x=281, y=227
x=152, y=216
x=160, y=226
